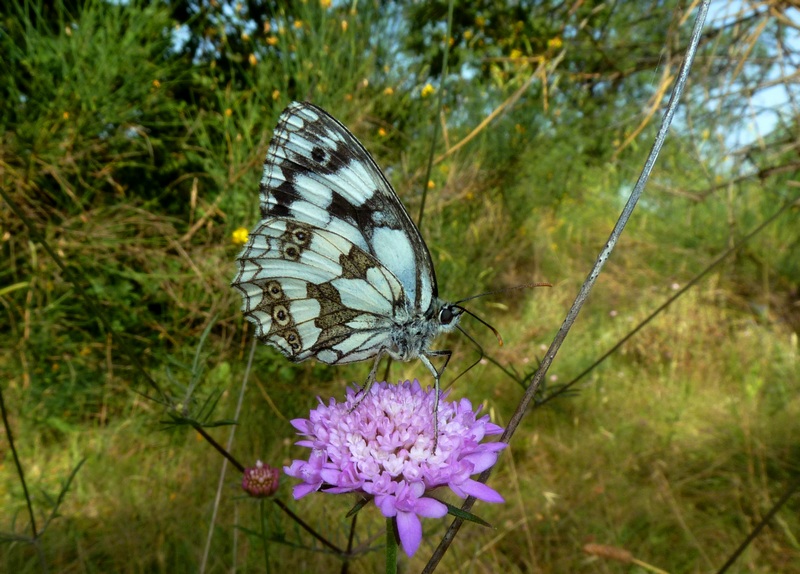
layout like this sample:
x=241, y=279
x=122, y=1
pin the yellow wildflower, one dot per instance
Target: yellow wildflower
x=275, y=94
x=245, y=37
x=272, y=40
x=298, y=24
x=239, y=236
x=252, y=59
x=468, y=35
x=325, y=3
x=382, y=132
x=427, y=90
x=431, y=184
x=554, y=43
x=65, y=115
x=228, y=112
x=480, y=21
x=156, y=84
x=388, y=91
x=515, y=54
x=344, y=25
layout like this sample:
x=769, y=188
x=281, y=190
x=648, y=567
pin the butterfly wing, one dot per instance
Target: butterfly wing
x=311, y=292
x=336, y=259
x=317, y=172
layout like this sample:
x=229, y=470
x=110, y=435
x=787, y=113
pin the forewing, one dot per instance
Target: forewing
x=316, y=172
x=312, y=292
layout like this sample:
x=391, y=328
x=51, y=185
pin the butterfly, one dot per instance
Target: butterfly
x=336, y=269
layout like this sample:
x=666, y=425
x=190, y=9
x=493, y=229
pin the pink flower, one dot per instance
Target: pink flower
x=384, y=449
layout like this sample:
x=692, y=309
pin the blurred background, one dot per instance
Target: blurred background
x=133, y=136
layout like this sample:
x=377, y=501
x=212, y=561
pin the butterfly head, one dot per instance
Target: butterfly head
x=448, y=316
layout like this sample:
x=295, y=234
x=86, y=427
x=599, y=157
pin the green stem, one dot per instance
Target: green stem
x=263, y=513
x=391, y=547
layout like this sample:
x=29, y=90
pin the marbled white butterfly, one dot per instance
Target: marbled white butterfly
x=336, y=268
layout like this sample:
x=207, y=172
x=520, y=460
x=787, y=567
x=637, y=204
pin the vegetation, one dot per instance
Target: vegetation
x=133, y=135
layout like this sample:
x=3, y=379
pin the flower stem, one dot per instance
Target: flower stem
x=263, y=516
x=391, y=547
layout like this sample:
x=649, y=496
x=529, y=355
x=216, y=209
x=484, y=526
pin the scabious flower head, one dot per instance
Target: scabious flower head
x=261, y=480
x=384, y=449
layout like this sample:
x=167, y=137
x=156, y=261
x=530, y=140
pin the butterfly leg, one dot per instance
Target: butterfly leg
x=436, y=376
x=368, y=383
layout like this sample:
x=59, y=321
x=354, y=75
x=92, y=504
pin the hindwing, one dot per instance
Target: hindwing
x=311, y=292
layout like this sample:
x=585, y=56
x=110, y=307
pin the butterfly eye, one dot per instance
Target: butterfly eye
x=446, y=315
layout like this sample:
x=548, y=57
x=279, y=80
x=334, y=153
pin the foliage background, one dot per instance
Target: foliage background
x=132, y=138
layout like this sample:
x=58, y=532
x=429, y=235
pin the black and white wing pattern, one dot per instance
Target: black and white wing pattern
x=336, y=268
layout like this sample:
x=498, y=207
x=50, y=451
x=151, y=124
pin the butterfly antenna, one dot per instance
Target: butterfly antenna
x=468, y=312
x=506, y=290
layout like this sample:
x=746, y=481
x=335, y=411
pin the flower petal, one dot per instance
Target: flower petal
x=481, y=460
x=480, y=491
x=301, y=425
x=300, y=490
x=410, y=530
x=430, y=508
x=387, y=505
